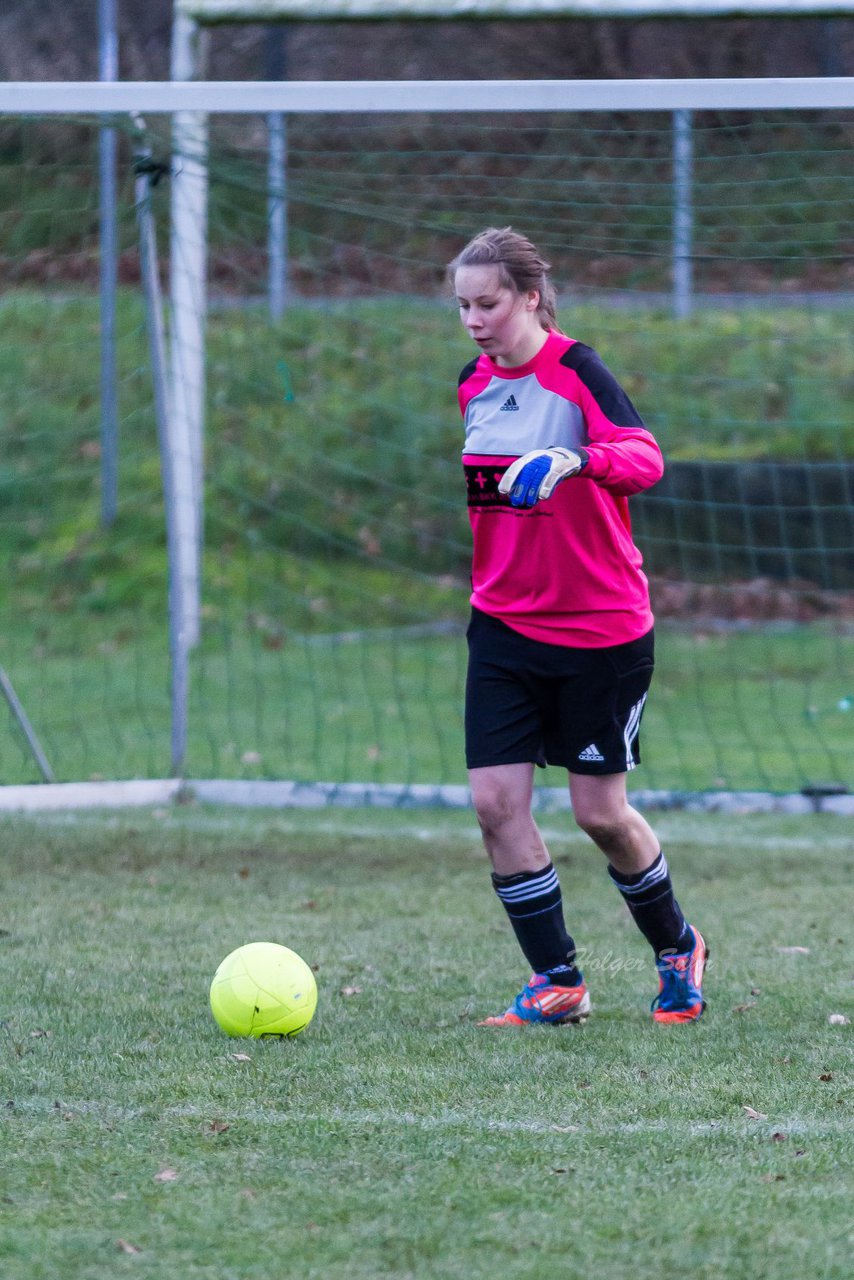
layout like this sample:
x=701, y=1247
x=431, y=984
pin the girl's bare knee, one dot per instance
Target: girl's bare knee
x=603, y=826
x=494, y=808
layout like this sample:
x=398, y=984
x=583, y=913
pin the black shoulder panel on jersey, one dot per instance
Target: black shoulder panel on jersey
x=602, y=385
x=468, y=371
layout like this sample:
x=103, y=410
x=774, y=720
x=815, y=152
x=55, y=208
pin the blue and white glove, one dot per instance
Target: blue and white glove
x=536, y=475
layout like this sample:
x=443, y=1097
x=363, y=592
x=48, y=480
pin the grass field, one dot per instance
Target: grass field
x=395, y=1138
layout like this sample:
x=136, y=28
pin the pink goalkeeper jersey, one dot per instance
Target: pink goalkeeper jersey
x=565, y=571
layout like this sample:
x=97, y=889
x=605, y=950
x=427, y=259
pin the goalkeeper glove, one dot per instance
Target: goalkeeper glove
x=536, y=475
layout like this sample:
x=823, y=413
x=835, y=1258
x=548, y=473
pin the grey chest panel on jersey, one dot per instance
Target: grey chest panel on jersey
x=513, y=416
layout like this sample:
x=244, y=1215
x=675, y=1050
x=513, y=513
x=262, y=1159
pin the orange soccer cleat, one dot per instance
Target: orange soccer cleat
x=680, y=983
x=540, y=1001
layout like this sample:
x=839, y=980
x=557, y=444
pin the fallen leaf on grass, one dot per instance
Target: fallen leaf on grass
x=351, y=991
x=742, y=1008
x=794, y=951
x=779, y=1137
x=127, y=1247
x=39, y=1033
x=839, y=1020
x=166, y=1175
x=240, y=1057
x=755, y=1115
x=826, y=1075
x=215, y=1127
x=774, y=1177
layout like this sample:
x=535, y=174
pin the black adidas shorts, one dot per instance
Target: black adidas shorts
x=577, y=708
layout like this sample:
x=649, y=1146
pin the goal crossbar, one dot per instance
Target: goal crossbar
x=214, y=11
x=304, y=96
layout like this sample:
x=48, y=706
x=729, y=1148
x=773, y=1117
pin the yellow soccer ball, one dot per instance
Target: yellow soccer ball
x=263, y=989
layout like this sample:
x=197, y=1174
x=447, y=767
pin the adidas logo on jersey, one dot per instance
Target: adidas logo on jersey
x=510, y=405
x=591, y=753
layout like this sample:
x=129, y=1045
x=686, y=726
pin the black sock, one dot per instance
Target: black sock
x=655, y=911
x=532, y=900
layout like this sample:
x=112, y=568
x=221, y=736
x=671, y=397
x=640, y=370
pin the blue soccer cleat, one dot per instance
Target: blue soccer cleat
x=540, y=1001
x=680, y=983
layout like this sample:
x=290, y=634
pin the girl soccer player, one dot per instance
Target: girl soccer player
x=561, y=632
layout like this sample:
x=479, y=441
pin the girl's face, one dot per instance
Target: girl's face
x=501, y=321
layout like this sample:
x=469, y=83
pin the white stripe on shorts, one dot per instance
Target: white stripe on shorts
x=631, y=730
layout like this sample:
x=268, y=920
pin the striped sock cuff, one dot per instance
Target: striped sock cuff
x=645, y=886
x=649, y=898
x=528, y=893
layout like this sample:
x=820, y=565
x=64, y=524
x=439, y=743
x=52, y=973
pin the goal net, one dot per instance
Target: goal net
x=705, y=253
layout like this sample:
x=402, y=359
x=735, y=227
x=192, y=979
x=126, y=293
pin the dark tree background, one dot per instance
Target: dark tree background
x=57, y=40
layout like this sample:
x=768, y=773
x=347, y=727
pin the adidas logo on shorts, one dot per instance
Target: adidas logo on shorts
x=591, y=753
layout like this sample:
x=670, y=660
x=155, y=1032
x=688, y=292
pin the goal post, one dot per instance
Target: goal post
x=330, y=650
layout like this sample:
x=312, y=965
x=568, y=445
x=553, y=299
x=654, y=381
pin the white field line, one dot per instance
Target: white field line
x=473, y=1121
x=463, y=1120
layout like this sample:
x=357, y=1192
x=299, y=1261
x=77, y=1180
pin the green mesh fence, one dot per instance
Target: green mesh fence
x=336, y=540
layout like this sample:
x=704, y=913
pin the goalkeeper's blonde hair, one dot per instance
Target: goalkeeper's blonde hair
x=520, y=265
